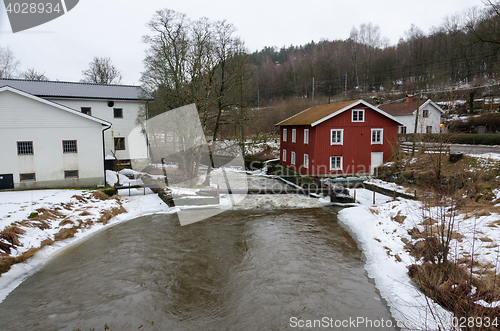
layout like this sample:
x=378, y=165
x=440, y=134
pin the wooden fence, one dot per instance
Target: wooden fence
x=424, y=148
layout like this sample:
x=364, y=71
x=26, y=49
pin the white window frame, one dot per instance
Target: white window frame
x=294, y=135
x=283, y=156
x=306, y=136
x=381, y=142
x=306, y=161
x=402, y=129
x=341, y=162
x=341, y=137
x=292, y=158
x=357, y=111
x=284, y=134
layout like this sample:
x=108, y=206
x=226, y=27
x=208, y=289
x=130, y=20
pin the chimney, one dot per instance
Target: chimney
x=409, y=98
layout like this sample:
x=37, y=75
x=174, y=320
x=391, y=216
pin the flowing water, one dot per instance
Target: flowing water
x=240, y=270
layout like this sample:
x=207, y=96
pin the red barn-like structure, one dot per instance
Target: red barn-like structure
x=344, y=138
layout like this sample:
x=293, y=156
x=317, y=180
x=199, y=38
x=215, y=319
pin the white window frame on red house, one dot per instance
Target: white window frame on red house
x=306, y=161
x=336, y=158
x=294, y=135
x=283, y=157
x=292, y=158
x=284, y=134
x=380, y=140
x=306, y=136
x=358, y=112
x=341, y=142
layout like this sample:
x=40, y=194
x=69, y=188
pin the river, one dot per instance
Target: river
x=239, y=270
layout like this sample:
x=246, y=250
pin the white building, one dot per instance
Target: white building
x=118, y=104
x=48, y=145
x=59, y=134
x=429, y=115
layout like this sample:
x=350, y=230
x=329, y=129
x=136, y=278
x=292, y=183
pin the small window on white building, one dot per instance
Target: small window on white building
x=27, y=177
x=306, y=161
x=377, y=136
x=87, y=110
x=284, y=134
x=119, y=144
x=283, y=158
x=70, y=174
x=429, y=129
x=69, y=146
x=25, y=148
x=402, y=129
x=425, y=113
x=292, y=161
x=337, y=136
x=335, y=162
x=118, y=112
x=306, y=136
x=294, y=135
x=358, y=115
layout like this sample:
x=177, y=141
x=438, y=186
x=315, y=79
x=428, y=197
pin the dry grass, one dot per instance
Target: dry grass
x=9, y=237
x=100, y=195
x=66, y=221
x=399, y=218
x=79, y=198
x=11, y=234
x=108, y=214
x=65, y=233
x=451, y=286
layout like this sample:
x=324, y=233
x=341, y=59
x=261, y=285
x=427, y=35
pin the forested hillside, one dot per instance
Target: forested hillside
x=463, y=50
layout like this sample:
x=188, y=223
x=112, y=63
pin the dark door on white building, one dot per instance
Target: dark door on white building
x=6, y=181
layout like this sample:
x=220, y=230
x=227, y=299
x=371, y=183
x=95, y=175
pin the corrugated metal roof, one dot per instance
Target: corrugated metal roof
x=316, y=113
x=47, y=89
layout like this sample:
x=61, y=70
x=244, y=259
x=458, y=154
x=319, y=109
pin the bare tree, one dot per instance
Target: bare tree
x=32, y=74
x=101, y=71
x=8, y=64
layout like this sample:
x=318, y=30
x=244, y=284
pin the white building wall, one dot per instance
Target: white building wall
x=433, y=120
x=135, y=147
x=25, y=119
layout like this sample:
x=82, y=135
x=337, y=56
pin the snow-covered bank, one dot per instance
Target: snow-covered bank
x=17, y=205
x=379, y=236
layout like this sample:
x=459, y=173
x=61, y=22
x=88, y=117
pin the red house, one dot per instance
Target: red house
x=344, y=138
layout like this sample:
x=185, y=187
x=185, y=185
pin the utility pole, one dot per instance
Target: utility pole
x=345, y=92
x=258, y=98
x=416, y=126
x=313, y=92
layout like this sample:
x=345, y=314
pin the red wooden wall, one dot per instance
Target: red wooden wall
x=356, y=148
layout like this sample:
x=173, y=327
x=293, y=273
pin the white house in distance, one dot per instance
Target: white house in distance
x=117, y=104
x=429, y=115
x=48, y=145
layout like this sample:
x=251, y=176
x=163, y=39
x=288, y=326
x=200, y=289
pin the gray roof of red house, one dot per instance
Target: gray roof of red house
x=56, y=89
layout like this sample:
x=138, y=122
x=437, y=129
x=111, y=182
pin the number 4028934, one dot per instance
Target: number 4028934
x=32, y=8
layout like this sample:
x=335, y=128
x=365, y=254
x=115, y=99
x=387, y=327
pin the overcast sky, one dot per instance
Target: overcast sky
x=63, y=47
